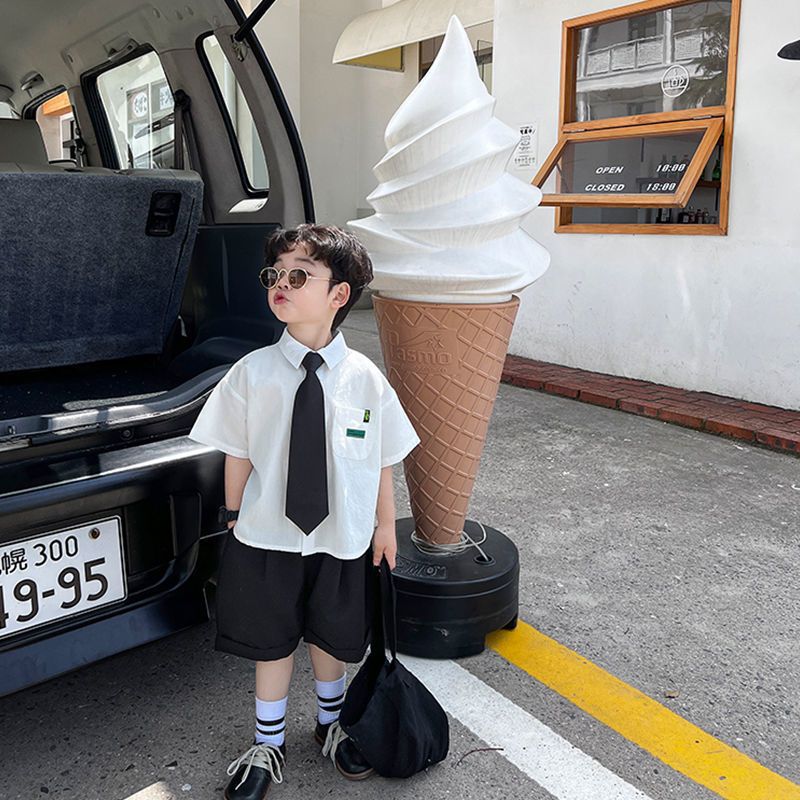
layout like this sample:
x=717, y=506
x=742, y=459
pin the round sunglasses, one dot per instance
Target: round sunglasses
x=269, y=277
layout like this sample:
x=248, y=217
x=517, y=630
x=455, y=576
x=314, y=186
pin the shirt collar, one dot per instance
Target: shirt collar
x=295, y=351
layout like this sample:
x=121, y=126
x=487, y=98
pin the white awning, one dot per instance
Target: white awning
x=406, y=22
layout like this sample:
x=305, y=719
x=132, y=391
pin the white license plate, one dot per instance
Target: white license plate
x=60, y=574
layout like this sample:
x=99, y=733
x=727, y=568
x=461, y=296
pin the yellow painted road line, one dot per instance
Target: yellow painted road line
x=648, y=724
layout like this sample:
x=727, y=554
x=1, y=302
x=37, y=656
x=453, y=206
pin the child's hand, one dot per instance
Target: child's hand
x=384, y=543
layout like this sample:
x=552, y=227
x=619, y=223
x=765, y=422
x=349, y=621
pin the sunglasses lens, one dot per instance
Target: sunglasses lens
x=297, y=278
x=268, y=277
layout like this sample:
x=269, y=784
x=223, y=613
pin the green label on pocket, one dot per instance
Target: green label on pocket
x=356, y=433
x=366, y=415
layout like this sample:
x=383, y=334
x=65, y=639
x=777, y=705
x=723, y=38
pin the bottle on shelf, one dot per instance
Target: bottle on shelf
x=682, y=214
x=716, y=173
x=704, y=217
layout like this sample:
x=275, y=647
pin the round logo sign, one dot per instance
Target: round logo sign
x=675, y=80
x=140, y=104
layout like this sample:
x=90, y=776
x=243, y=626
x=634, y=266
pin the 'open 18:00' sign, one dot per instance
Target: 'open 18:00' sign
x=632, y=165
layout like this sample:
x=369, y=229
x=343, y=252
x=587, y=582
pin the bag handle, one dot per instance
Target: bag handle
x=384, y=616
x=389, y=606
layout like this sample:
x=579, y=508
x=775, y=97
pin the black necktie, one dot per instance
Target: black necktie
x=307, y=479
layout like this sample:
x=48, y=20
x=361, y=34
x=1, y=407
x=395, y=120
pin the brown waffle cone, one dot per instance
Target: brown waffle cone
x=444, y=361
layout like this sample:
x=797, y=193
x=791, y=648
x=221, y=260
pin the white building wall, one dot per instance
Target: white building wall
x=330, y=120
x=710, y=313
x=341, y=111
x=279, y=33
x=381, y=94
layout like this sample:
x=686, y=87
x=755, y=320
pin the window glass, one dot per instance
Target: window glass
x=652, y=164
x=139, y=106
x=667, y=60
x=6, y=112
x=255, y=163
x=484, y=58
x=702, y=208
x=56, y=120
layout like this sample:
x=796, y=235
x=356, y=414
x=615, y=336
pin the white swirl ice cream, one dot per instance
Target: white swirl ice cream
x=447, y=221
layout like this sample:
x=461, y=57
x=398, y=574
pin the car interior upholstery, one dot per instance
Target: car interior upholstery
x=116, y=284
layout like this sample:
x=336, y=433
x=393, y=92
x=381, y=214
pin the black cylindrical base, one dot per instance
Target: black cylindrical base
x=447, y=604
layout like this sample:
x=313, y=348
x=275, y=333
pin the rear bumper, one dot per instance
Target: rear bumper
x=166, y=494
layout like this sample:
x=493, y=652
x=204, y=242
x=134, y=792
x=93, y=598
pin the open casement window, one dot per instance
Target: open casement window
x=645, y=165
x=646, y=119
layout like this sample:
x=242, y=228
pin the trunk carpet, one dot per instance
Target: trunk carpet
x=99, y=385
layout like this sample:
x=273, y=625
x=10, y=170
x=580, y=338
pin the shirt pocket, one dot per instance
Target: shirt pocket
x=352, y=437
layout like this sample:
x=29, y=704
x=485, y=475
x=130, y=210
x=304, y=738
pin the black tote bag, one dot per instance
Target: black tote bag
x=394, y=721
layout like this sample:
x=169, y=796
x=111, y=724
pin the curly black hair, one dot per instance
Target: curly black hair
x=340, y=250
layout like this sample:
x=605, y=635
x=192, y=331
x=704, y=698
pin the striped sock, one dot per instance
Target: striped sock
x=271, y=721
x=330, y=696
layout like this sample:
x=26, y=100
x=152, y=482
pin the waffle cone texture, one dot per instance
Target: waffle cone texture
x=444, y=360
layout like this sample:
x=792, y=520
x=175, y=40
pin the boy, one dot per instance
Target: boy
x=310, y=430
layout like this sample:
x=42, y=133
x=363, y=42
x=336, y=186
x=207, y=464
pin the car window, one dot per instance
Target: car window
x=6, y=112
x=138, y=104
x=56, y=120
x=244, y=129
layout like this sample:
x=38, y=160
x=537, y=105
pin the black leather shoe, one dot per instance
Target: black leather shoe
x=254, y=771
x=349, y=762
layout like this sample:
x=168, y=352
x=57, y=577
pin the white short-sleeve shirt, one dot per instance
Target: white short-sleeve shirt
x=249, y=415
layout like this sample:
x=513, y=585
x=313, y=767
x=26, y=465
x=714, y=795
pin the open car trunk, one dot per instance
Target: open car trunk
x=127, y=291
x=203, y=339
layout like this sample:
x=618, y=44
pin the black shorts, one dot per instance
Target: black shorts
x=267, y=600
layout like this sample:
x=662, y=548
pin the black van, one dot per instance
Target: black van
x=146, y=151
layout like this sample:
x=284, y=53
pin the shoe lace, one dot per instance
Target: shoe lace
x=266, y=756
x=333, y=739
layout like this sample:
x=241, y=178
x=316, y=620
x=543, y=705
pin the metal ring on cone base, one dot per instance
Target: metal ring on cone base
x=447, y=604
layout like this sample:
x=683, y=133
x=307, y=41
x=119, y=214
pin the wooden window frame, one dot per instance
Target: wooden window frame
x=712, y=129
x=636, y=125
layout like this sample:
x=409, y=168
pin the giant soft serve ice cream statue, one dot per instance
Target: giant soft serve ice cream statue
x=448, y=255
